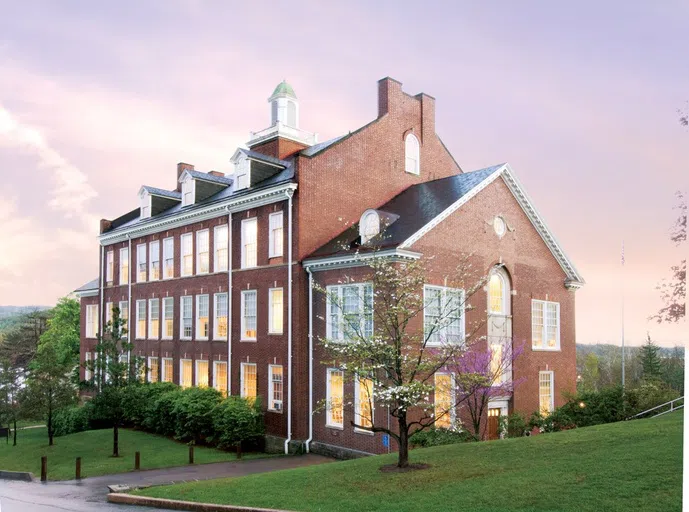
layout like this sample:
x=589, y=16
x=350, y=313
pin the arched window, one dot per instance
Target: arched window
x=498, y=291
x=411, y=154
x=369, y=226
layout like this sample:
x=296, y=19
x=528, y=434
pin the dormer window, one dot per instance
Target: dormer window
x=411, y=154
x=145, y=205
x=242, y=169
x=369, y=226
x=188, y=192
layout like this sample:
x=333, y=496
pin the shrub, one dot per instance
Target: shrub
x=193, y=411
x=648, y=395
x=71, y=420
x=236, y=420
x=516, y=425
x=160, y=418
x=440, y=436
x=139, y=403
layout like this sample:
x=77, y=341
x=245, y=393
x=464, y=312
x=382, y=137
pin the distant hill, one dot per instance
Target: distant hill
x=602, y=348
x=9, y=311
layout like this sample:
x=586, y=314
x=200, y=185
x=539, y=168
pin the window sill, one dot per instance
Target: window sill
x=166, y=338
x=152, y=339
x=274, y=411
x=185, y=339
x=276, y=333
x=221, y=340
x=541, y=349
x=365, y=432
x=200, y=339
x=334, y=427
x=250, y=340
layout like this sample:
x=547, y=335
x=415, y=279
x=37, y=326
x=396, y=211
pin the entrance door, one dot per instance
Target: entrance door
x=493, y=415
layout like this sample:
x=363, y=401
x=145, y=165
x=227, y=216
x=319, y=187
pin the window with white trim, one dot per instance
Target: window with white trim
x=124, y=265
x=140, y=319
x=275, y=235
x=141, y=263
x=545, y=325
x=202, y=317
x=275, y=388
x=363, y=402
x=202, y=252
x=275, y=310
x=185, y=373
x=411, y=154
x=152, y=369
x=109, y=266
x=145, y=205
x=108, y=315
x=202, y=373
x=248, y=384
x=220, y=245
x=88, y=374
x=497, y=293
x=168, y=315
x=168, y=258
x=443, y=314
x=188, y=191
x=369, y=226
x=186, y=255
x=248, y=320
x=153, y=319
x=249, y=242
x=444, y=402
x=546, y=397
x=334, y=398
x=350, y=311
x=91, y=320
x=154, y=261
x=220, y=316
x=166, y=374
x=185, y=318
x=124, y=318
x=220, y=376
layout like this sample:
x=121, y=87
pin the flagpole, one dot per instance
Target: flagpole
x=623, y=314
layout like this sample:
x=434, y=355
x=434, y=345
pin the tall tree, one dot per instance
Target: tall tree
x=650, y=359
x=19, y=344
x=10, y=386
x=63, y=333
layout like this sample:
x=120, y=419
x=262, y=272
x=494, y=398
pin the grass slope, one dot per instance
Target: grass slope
x=95, y=447
x=618, y=467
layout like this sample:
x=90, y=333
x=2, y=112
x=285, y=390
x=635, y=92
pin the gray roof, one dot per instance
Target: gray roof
x=310, y=151
x=255, y=155
x=91, y=285
x=416, y=206
x=172, y=194
x=209, y=177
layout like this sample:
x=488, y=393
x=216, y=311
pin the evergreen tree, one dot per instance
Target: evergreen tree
x=650, y=360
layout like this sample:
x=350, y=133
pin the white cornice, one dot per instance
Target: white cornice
x=358, y=259
x=86, y=293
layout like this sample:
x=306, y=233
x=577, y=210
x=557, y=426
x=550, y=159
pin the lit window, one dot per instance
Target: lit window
x=497, y=372
x=168, y=258
x=496, y=294
x=220, y=262
x=275, y=388
x=167, y=373
x=168, y=314
x=411, y=154
x=124, y=265
x=202, y=261
x=335, y=398
x=546, y=401
x=202, y=373
x=185, y=371
x=369, y=226
x=202, y=317
x=363, y=402
x=249, y=245
x=140, y=319
x=141, y=263
x=275, y=236
x=154, y=261
x=153, y=318
x=275, y=311
x=220, y=376
x=220, y=320
x=124, y=318
x=188, y=192
x=443, y=314
x=108, y=316
x=152, y=369
x=350, y=311
x=248, y=384
x=91, y=320
x=185, y=317
x=248, y=306
x=109, y=266
x=444, y=400
x=545, y=325
x=187, y=255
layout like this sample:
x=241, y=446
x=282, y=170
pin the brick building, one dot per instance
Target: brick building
x=213, y=276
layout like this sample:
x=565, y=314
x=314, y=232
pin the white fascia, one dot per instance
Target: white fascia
x=358, y=260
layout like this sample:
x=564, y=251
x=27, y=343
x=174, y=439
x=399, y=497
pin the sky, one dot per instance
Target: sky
x=581, y=98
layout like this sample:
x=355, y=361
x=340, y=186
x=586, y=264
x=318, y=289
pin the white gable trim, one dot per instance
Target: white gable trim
x=574, y=279
x=357, y=259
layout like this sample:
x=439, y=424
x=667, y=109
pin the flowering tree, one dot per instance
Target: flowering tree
x=392, y=338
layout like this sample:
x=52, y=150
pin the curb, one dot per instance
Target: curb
x=16, y=475
x=128, y=499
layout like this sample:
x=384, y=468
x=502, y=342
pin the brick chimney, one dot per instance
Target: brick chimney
x=105, y=224
x=181, y=167
x=389, y=95
x=427, y=115
x=216, y=173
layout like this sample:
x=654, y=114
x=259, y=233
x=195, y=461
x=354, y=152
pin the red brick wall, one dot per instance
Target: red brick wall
x=279, y=147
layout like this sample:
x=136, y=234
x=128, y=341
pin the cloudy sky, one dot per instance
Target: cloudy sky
x=98, y=98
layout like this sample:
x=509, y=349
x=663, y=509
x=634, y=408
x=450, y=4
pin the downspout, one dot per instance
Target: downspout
x=229, y=301
x=129, y=299
x=289, y=320
x=100, y=309
x=308, y=441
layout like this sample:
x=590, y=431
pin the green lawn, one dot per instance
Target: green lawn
x=618, y=467
x=95, y=447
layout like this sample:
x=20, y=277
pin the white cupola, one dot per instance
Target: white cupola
x=284, y=106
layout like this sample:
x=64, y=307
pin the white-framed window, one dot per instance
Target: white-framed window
x=444, y=400
x=145, y=205
x=248, y=320
x=335, y=398
x=443, y=314
x=220, y=376
x=186, y=255
x=546, y=396
x=202, y=373
x=185, y=373
x=498, y=293
x=88, y=375
x=140, y=319
x=220, y=316
x=545, y=325
x=220, y=246
x=363, y=402
x=249, y=242
x=166, y=374
x=185, y=319
x=202, y=252
x=275, y=388
x=153, y=319
x=91, y=320
x=154, y=261
x=168, y=258
x=108, y=315
x=350, y=311
x=275, y=310
x=369, y=226
x=275, y=235
x=248, y=384
x=109, y=266
x=152, y=369
x=411, y=154
x=188, y=187
x=124, y=318
x=202, y=317
x=168, y=315
x=124, y=265
x=242, y=171
x=141, y=263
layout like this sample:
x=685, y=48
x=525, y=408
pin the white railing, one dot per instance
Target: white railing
x=672, y=408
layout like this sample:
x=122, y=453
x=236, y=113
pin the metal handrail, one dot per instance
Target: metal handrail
x=670, y=403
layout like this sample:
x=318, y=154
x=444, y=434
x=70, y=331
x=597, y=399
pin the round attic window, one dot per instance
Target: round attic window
x=499, y=226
